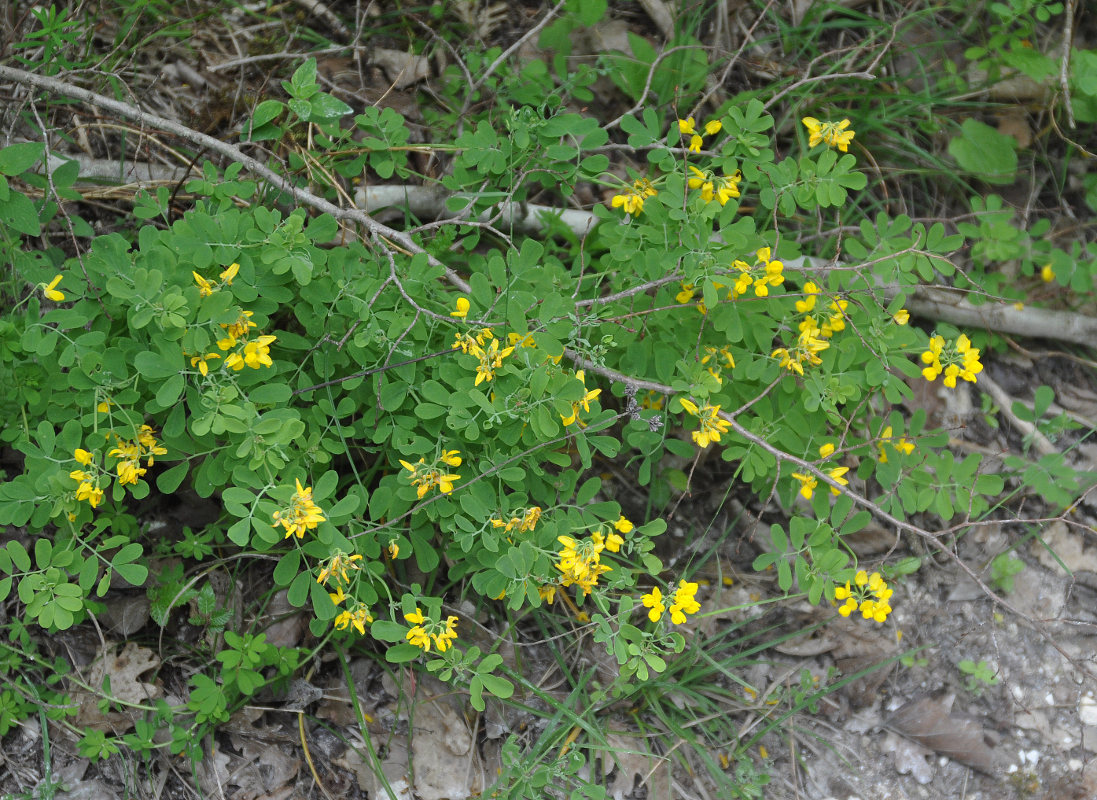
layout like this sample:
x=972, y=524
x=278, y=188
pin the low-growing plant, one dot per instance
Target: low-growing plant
x=980, y=675
x=409, y=424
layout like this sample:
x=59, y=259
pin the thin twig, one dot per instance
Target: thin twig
x=525, y=37
x=1064, y=60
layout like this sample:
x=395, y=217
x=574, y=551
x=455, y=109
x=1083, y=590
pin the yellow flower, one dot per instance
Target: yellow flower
x=632, y=198
x=807, y=484
x=530, y=520
x=357, y=618
x=89, y=490
x=337, y=566
x=686, y=127
x=463, y=306
x=686, y=294
x=491, y=359
x=623, y=525
x=201, y=362
x=423, y=630
x=653, y=600
x=82, y=456
x=713, y=126
x=50, y=290
x=229, y=273
x=901, y=317
x=444, y=639
x=445, y=483
x=255, y=354
x=1047, y=274
x=808, y=303
x=301, y=515
x=418, y=636
x=451, y=458
x=723, y=188
x=684, y=602
x=836, y=476
x=205, y=288
x=424, y=478
x=826, y=450
x=959, y=360
x=833, y=133
x=903, y=445
x=583, y=403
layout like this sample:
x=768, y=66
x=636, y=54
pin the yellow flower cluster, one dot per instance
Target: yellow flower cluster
x=89, y=479
x=821, y=322
x=902, y=444
x=523, y=524
x=712, y=358
x=205, y=288
x=763, y=274
x=684, y=602
x=336, y=569
x=359, y=617
x=688, y=127
x=584, y=403
x=485, y=347
x=255, y=353
x=425, y=629
x=808, y=346
x=958, y=360
x=580, y=561
x=712, y=427
x=688, y=292
x=809, y=483
x=833, y=133
x=301, y=515
x=632, y=198
x=719, y=187
x=869, y=593
x=130, y=453
x=424, y=477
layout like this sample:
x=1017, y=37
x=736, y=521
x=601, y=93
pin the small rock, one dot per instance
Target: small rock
x=1087, y=711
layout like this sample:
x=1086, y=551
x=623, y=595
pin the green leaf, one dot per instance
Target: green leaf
x=265, y=112
x=170, y=479
x=134, y=574
x=19, y=555
x=387, y=631
x=298, y=593
x=402, y=653
x=981, y=150
x=240, y=532
x=153, y=366
x=18, y=213
x=780, y=541
x=18, y=158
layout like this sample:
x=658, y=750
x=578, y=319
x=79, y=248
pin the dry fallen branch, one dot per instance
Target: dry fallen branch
x=936, y=303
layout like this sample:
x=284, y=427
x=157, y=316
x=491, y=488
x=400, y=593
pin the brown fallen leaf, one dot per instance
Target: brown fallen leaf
x=124, y=669
x=930, y=723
